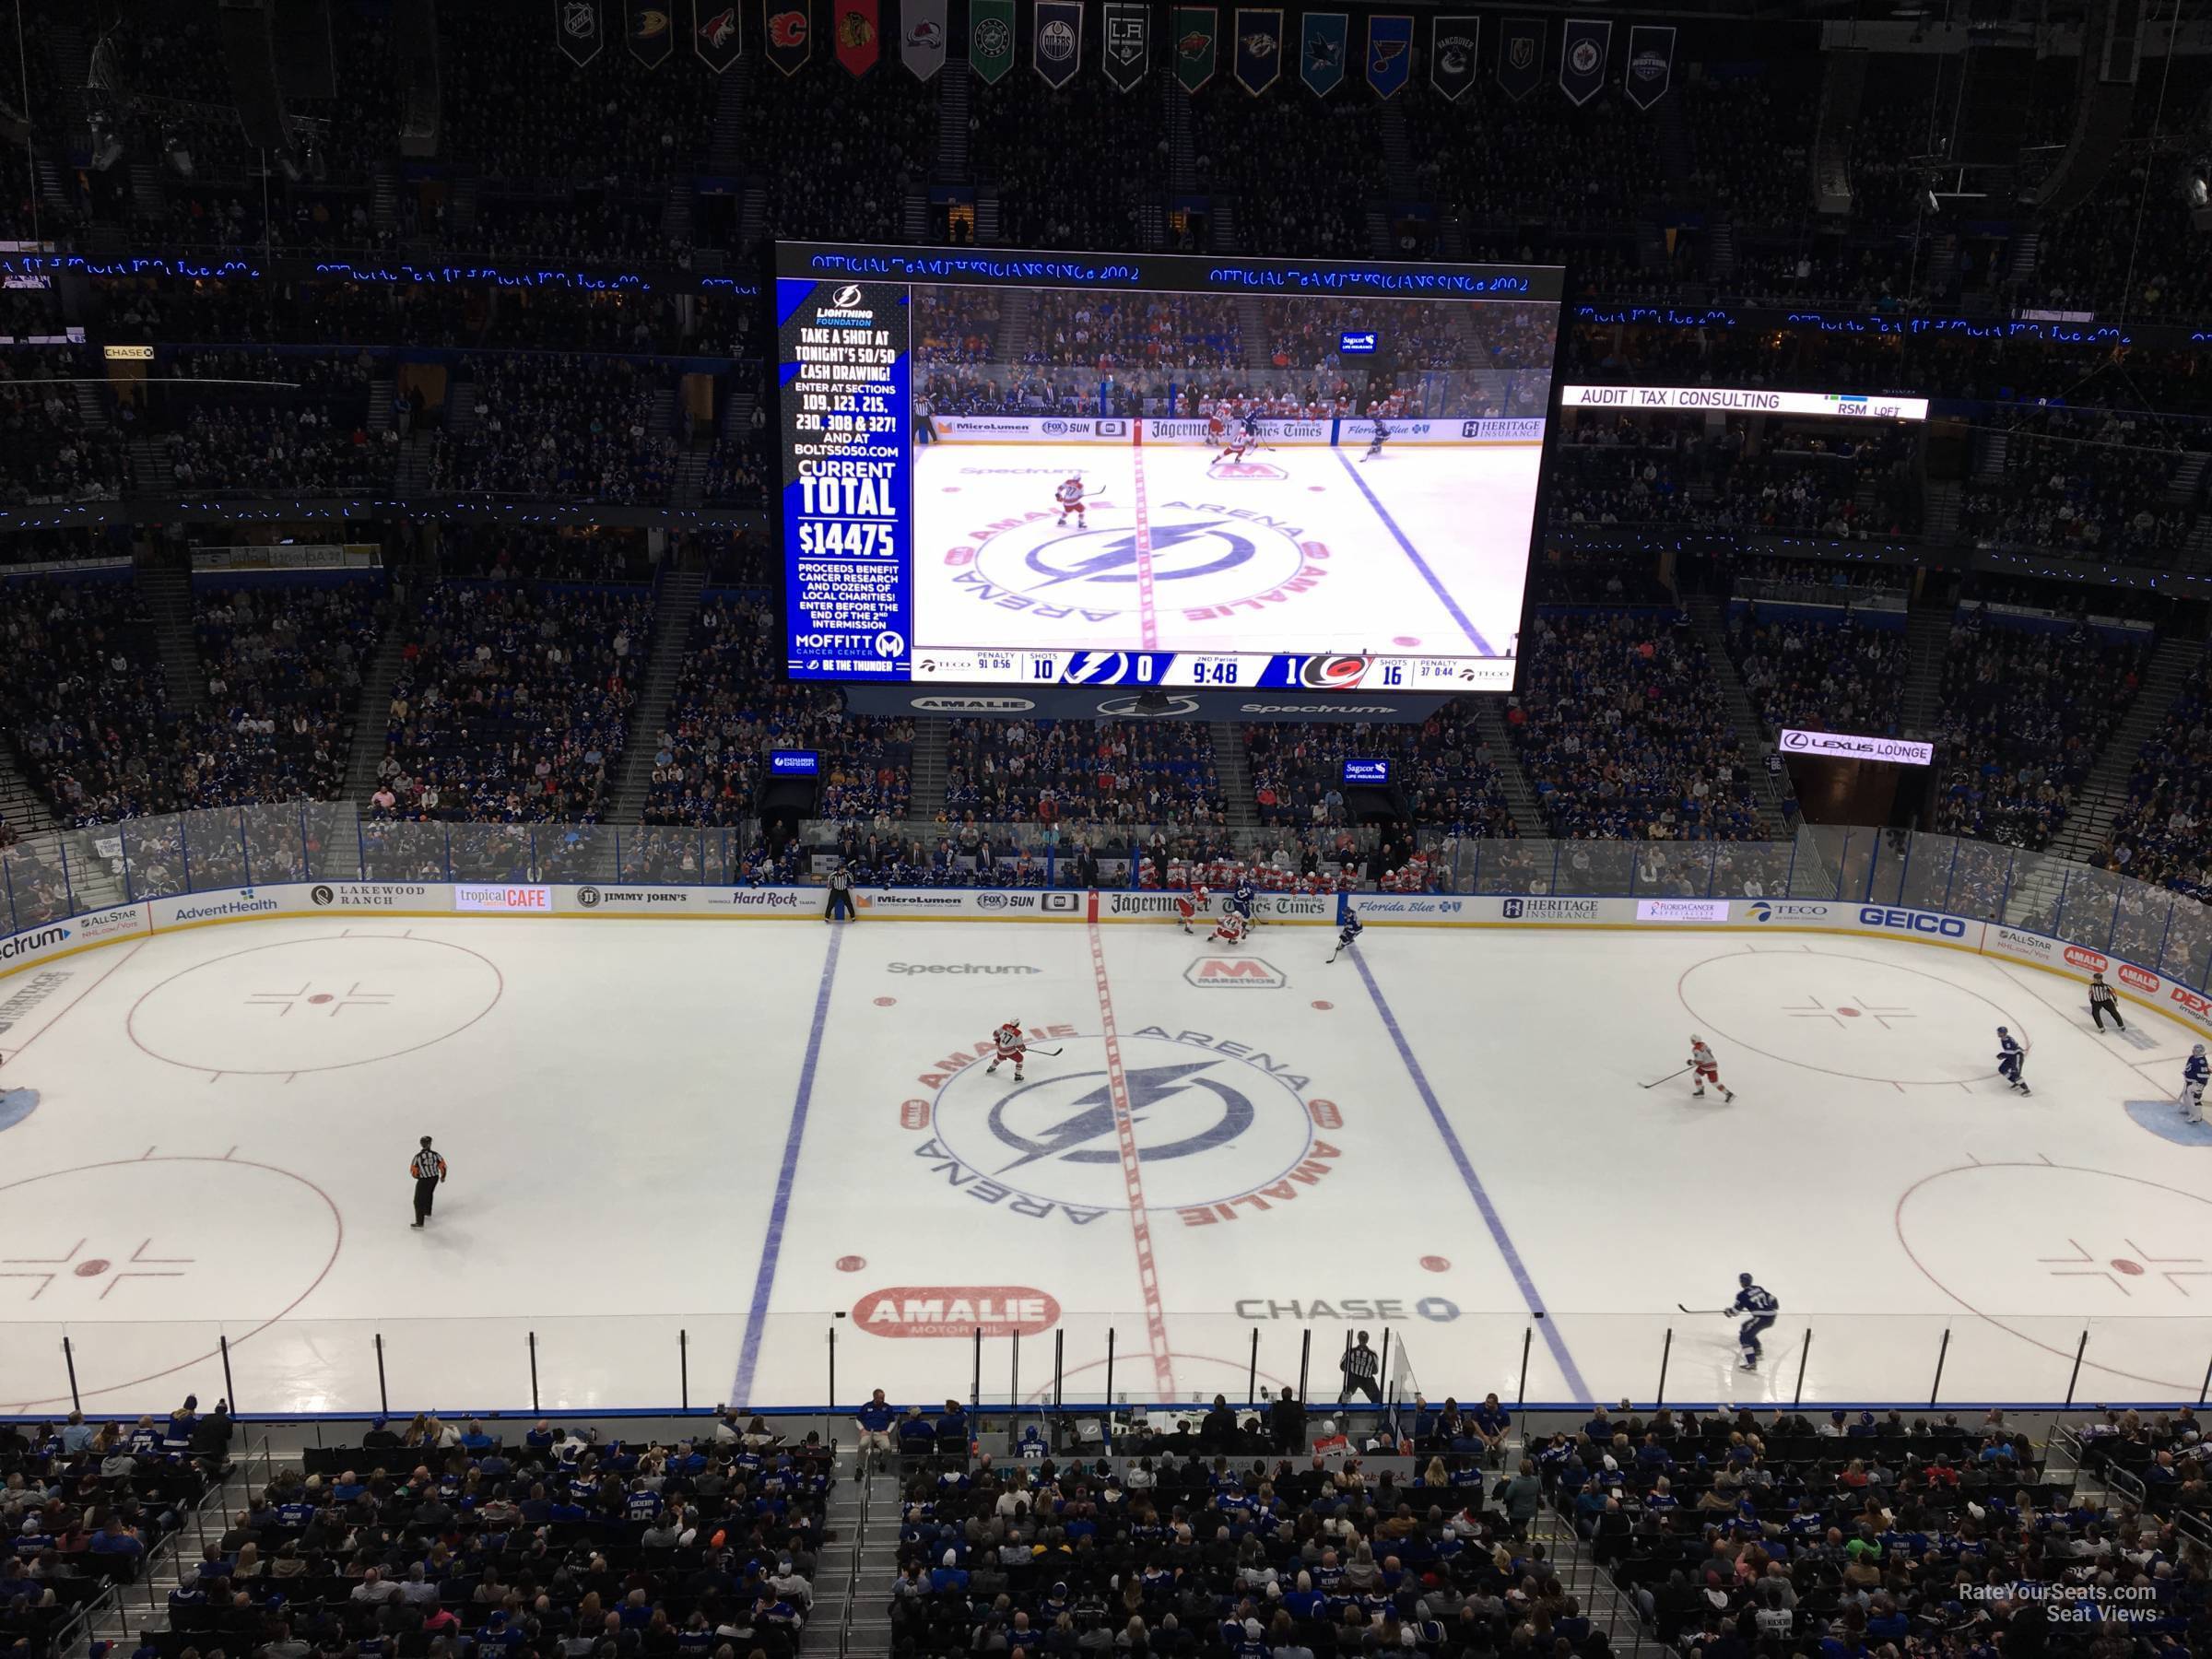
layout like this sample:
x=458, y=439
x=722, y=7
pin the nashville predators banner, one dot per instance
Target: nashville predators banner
x=1583, y=58
x=1521, y=56
x=716, y=34
x=1056, y=49
x=1451, y=43
x=576, y=29
x=788, y=29
x=1128, y=42
x=1258, y=58
x=1193, y=29
x=1650, y=62
x=1321, y=52
x=859, y=39
x=652, y=35
x=1389, y=53
x=989, y=39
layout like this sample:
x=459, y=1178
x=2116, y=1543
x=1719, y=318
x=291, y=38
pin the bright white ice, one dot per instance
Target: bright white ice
x=226, y=1114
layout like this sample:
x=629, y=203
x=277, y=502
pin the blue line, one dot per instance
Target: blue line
x=1552, y=1339
x=786, y=1178
x=1421, y=564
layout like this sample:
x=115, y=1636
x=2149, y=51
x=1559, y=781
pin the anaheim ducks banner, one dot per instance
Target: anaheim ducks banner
x=1451, y=43
x=652, y=33
x=859, y=37
x=788, y=29
x=1128, y=42
x=922, y=40
x=1321, y=51
x=716, y=34
x=1056, y=49
x=576, y=29
x=1258, y=58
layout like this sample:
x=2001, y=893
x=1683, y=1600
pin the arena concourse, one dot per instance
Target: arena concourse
x=392, y=541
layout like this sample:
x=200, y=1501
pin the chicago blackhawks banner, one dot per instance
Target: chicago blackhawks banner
x=922, y=46
x=1193, y=29
x=989, y=39
x=650, y=37
x=1258, y=58
x=1451, y=43
x=1389, y=53
x=1651, y=64
x=789, y=31
x=1056, y=53
x=1521, y=56
x=716, y=34
x=1321, y=52
x=859, y=40
x=576, y=29
x=1128, y=42
x=1583, y=58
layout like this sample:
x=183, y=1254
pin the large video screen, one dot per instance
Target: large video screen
x=1159, y=470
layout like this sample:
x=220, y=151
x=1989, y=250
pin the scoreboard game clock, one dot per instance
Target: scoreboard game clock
x=1127, y=501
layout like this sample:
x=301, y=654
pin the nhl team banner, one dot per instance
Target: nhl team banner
x=922, y=43
x=1650, y=62
x=1583, y=58
x=1195, y=29
x=1521, y=56
x=1128, y=42
x=576, y=29
x=652, y=37
x=1389, y=53
x=1321, y=52
x=989, y=39
x=1451, y=43
x=859, y=40
x=1258, y=59
x=716, y=34
x=789, y=31
x=1056, y=53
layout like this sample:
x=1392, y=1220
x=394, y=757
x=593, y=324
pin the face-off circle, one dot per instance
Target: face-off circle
x=315, y=1005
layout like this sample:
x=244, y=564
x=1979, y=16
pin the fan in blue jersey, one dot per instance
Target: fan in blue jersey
x=1758, y=1307
x=2197, y=1071
x=2012, y=1059
x=1349, y=933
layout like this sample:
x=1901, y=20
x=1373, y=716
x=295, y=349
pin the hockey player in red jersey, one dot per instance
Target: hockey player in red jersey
x=1230, y=929
x=1008, y=1041
x=1706, y=1069
x=1070, y=499
x=1188, y=904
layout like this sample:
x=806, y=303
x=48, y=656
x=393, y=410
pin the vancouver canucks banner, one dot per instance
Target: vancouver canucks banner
x=1056, y=53
x=1321, y=52
x=1389, y=53
x=1451, y=43
x=1258, y=58
x=922, y=45
x=1128, y=41
x=859, y=39
x=1521, y=56
x=716, y=34
x=1583, y=58
x=576, y=29
x=989, y=39
x=789, y=31
x=652, y=37
x=1193, y=29
x=1650, y=62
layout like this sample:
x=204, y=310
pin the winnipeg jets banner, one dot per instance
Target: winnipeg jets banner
x=1056, y=51
x=1451, y=43
x=576, y=29
x=922, y=37
x=859, y=36
x=989, y=39
x=1128, y=42
x=788, y=29
x=1583, y=58
x=1650, y=62
x=1259, y=54
x=651, y=37
x=1192, y=28
x=1521, y=56
x=1389, y=53
x=1321, y=52
x=716, y=34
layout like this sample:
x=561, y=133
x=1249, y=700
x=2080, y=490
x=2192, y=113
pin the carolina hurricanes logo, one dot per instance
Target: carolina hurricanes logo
x=787, y=30
x=721, y=29
x=1333, y=673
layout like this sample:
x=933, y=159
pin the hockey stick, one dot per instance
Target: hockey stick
x=1668, y=1079
x=1705, y=1310
x=1055, y=1053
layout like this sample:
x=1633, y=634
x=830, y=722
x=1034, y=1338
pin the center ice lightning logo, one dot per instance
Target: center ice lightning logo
x=1193, y=556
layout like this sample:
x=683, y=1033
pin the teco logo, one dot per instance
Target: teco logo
x=2140, y=978
x=956, y=1310
x=2081, y=956
x=1235, y=973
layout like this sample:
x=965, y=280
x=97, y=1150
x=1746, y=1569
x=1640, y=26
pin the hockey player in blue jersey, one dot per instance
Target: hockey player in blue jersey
x=2197, y=1071
x=1349, y=933
x=2011, y=1060
x=1241, y=896
x=1758, y=1307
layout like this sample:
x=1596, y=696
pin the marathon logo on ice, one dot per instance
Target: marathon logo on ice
x=956, y=1310
x=1235, y=973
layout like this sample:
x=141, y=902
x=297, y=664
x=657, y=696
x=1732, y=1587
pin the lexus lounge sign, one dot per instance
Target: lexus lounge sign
x=1852, y=746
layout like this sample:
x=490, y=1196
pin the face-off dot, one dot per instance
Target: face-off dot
x=1405, y=639
x=1848, y=1013
x=1436, y=1264
x=1325, y=1006
x=851, y=1264
x=99, y=1265
x=322, y=996
x=2122, y=1264
x=884, y=1002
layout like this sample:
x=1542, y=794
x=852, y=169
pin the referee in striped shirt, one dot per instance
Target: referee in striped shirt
x=1362, y=1369
x=429, y=1170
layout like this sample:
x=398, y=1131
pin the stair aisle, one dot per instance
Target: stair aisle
x=1751, y=732
x=675, y=608
x=2104, y=791
x=1233, y=766
x=926, y=773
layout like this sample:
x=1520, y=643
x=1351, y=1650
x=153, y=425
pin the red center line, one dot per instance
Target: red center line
x=1133, y=1177
x=1148, y=619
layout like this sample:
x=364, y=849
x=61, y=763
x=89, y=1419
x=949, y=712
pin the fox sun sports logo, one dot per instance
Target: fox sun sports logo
x=1048, y=902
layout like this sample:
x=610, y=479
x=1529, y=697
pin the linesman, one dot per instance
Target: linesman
x=429, y=1169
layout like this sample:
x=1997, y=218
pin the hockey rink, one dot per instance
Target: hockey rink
x=1311, y=547
x=741, y=1131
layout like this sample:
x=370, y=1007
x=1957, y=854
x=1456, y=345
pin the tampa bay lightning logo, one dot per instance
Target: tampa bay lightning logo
x=1184, y=557
x=1178, y=553
x=1095, y=668
x=1039, y=1121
